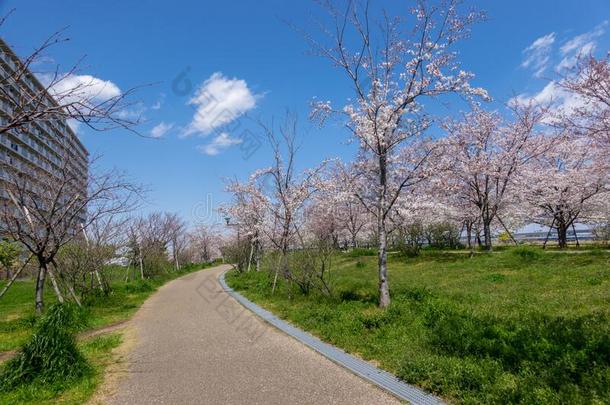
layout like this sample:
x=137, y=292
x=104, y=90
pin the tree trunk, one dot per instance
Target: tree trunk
x=384, y=288
x=176, y=262
x=562, y=234
x=42, y=274
x=575, y=235
x=250, y=255
x=99, y=280
x=469, y=234
x=257, y=255
x=141, y=268
x=487, y=233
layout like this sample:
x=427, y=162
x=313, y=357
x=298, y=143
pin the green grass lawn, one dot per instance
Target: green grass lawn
x=517, y=325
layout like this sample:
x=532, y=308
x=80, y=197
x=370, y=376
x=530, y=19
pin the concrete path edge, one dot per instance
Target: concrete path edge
x=382, y=379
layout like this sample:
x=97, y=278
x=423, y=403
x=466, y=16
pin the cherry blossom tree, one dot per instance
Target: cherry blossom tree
x=392, y=69
x=248, y=211
x=568, y=183
x=589, y=81
x=203, y=243
x=322, y=221
x=280, y=192
x=488, y=153
x=339, y=206
x=150, y=239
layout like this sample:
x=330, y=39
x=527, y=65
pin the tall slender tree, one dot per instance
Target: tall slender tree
x=393, y=65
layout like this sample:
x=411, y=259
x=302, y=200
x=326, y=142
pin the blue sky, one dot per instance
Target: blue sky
x=248, y=50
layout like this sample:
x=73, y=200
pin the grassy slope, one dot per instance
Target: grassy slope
x=491, y=328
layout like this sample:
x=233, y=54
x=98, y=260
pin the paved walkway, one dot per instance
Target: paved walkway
x=197, y=345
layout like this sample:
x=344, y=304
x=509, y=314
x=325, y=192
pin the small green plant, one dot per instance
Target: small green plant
x=51, y=355
x=9, y=253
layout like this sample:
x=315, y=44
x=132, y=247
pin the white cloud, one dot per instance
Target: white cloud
x=84, y=89
x=579, y=40
x=218, y=101
x=537, y=55
x=580, y=45
x=550, y=92
x=71, y=87
x=551, y=95
x=218, y=144
x=160, y=129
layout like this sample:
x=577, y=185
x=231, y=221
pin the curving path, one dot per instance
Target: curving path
x=197, y=345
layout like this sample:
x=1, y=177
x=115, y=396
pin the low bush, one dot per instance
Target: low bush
x=51, y=355
x=443, y=235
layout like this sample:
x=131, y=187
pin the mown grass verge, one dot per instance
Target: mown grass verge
x=517, y=326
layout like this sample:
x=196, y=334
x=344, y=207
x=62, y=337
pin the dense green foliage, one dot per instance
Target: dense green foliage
x=521, y=325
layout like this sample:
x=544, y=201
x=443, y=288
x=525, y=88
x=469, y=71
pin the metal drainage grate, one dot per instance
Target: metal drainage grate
x=382, y=379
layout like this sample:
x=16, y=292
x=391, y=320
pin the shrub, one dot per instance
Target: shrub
x=443, y=235
x=410, y=239
x=51, y=355
x=504, y=237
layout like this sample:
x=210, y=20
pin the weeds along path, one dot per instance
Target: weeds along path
x=196, y=344
x=7, y=355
